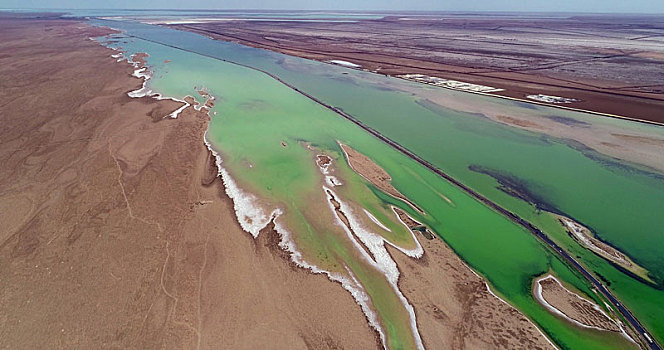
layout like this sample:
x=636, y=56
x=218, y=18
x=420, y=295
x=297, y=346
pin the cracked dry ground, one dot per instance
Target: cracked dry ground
x=115, y=232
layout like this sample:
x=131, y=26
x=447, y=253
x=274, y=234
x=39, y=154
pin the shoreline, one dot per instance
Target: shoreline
x=379, y=257
x=587, y=239
x=256, y=219
x=537, y=292
x=124, y=226
x=143, y=72
x=287, y=245
x=358, y=294
x=527, y=225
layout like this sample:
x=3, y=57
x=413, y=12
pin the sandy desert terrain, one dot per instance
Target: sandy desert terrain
x=117, y=232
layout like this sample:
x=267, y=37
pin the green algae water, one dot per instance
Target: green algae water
x=255, y=114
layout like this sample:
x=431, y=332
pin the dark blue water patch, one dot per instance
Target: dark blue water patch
x=527, y=105
x=568, y=121
x=517, y=187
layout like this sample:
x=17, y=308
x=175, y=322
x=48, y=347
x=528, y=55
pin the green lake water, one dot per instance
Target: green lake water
x=255, y=113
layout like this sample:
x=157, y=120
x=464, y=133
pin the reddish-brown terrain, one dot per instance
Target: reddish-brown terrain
x=611, y=64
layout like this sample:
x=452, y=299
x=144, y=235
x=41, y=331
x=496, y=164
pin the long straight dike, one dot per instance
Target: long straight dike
x=634, y=323
x=609, y=115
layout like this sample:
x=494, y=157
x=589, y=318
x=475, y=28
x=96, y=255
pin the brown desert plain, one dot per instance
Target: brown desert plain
x=116, y=232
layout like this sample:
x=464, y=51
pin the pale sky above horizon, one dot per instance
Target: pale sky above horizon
x=598, y=6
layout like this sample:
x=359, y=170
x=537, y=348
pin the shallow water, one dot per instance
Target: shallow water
x=255, y=114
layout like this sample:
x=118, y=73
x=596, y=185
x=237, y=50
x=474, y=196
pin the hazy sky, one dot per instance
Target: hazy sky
x=640, y=6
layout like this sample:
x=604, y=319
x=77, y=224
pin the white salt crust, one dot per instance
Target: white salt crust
x=146, y=75
x=253, y=218
x=375, y=220
x=381, y=259
x=540, y=298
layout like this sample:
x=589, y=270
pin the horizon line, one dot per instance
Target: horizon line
x=403, y=11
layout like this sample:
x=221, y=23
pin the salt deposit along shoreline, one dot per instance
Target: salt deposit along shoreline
x=143, y=72
x=252, y=218
x=149, y=219
x=538, y=294
x=379, y=257
x=587, y=239
x=275, y=216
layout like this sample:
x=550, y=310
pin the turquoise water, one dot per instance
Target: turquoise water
x=609, y=196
